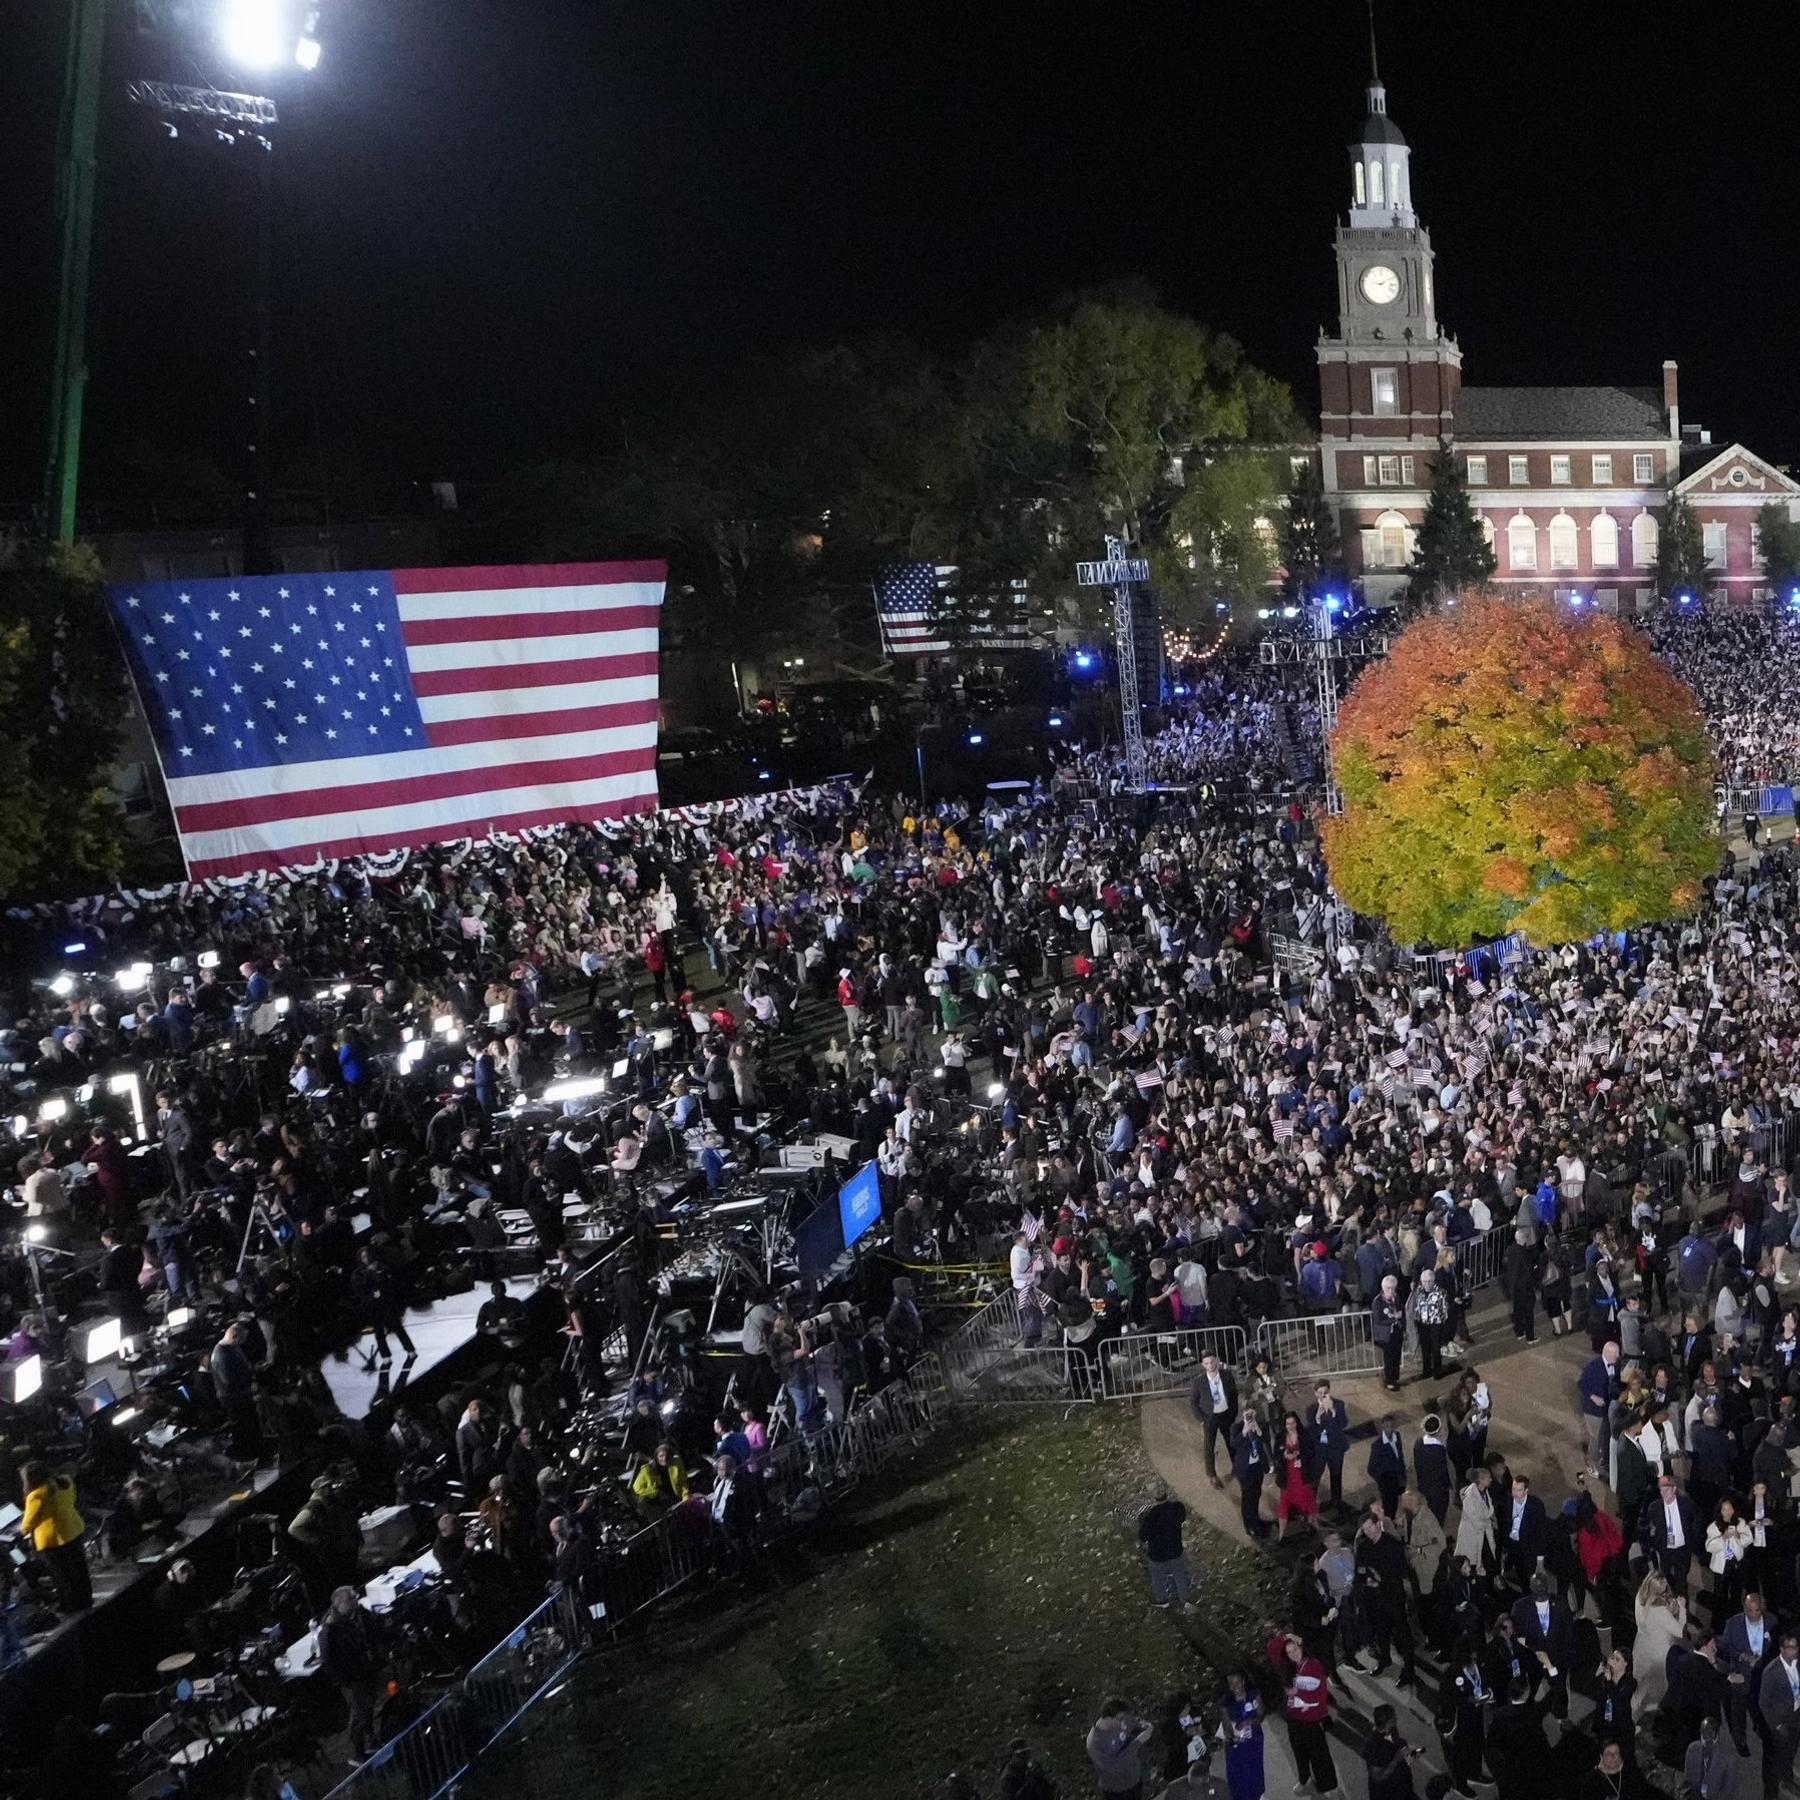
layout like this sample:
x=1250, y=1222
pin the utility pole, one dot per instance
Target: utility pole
x=77, y=152
x=1118, y=572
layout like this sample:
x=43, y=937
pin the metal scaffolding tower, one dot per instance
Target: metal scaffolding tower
x=1118, y=572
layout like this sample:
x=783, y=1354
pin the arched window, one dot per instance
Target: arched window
x=1375, y=183
x=1393, y=541
x=1603, y=539
x=1564, y=550
x=1487, y=530
x=1644, y=539
x=1357, y=167
x=1521, y=542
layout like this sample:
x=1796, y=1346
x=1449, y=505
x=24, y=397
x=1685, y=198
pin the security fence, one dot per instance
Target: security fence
x=1149, y=1363
x=1324, y=1344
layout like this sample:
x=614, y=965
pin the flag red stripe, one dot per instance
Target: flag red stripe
x=525, y=575
x=427, y=682
x=531, y=625
x=435, y=834
x=543, y=724
x=263, y=809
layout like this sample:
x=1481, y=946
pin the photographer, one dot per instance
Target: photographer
x=1389, y=1758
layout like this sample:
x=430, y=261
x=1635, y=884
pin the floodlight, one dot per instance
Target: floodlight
x=306, y=53
x=28, y=1377
x=63, y=986
x=20, y=1125
x=178, y=1316
x=283, y=1005
x=975, y=740
x=1083, y=659
x=103, y=1340
x=208, y=959
x=254, y=33
x=1056, y=719
x=130, y=980
x=74, y=949
x=84, y=1093
x=52, y=1110
x=996, y=1089
x=35, y=1234
x=341, y=991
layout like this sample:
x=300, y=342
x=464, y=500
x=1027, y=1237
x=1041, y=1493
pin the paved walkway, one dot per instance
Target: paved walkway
x=1537, y=1429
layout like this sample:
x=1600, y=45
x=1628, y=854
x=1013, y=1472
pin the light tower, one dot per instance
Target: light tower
x=1118, y=572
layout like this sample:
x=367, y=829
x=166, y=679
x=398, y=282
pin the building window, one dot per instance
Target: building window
x=1384, y=386
x=1559, y=471
x=1643, y=467
x=1563, y=552
x=1487, y=531
x=1369, y=475
x=1406, y=471
x=1646, y=598
x=1477, y=471
x=1644, y=539
x=1521, y=543
x=1713, y=537
x=1602, y=471
x=1607, y=599
x=1389, y=467
x=1756, y=555
x=1359, y=181
x=1376, y=195
x=1518, y=471
x=1603, y=537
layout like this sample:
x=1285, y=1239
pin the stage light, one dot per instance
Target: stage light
x=74, y=949
x=996, y=1089
x=103, y=1340
x=341, y=991
x=1263, y=612
x=938, y=1073
x=1055, y=721
x=35, y=1234
x=306, y=53
x=28, y=1377
x=1084, y=659
x=1575, y=600
x=84, y=1093
x=283, y=1006
x=764, y=775
x=51, y=1111
x=208, y=959
x=1290, y=612
x=20, y=1125
x=254, y=33
x=1333, y=603
x=130, y=980
x=1685, y=599
x=62, y=986
x=1181, y=687
x=974, y=740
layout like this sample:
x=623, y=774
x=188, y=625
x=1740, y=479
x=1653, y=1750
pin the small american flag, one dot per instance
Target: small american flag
x=300, y=716
x=908, y=606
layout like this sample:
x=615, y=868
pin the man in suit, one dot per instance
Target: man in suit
x=1697, y=1685
x=1524, y=1532
x=1214, y=1400
x=1431, y=1467
x=1328, y=1424
x=1598, y=1386
x=1746, y=1648
x=1779, y=1697
x=1632, y=1477
x=1669, y=1530
x=1544, y=1626
x=1250, y=1464
x=1694, y=1346
x=1387, y=1465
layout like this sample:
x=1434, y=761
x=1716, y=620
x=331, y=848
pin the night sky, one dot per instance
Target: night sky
x=513, y=228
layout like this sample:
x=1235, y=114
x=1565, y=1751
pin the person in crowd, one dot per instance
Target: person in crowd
x=1307, y=1709
x=1159, y=1532
x=53, y=1528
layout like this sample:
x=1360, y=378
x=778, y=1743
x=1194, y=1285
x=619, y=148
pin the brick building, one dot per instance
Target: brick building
x=1570, y=482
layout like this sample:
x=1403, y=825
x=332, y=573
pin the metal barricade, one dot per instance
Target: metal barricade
x=1323, y=1344
x=1163, y=1362
x=1485, y=1256
x=1065, y=1376
x=427, y=1759
x=518, y=1671
x=979, y=1341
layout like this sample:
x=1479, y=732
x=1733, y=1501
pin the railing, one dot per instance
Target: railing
x=1770, y=800
x=1040, y=1375
x=980, y=1340
x=1163, y=1362
x=1325, y=1344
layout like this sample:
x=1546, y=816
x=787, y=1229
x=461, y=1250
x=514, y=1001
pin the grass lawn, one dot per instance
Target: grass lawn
x=990, y=1587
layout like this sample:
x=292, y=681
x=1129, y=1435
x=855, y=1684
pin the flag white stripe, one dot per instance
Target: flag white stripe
x=485, y=653
x=455, y=816
x=352, y=771
x=508, y=702
x=482, y=603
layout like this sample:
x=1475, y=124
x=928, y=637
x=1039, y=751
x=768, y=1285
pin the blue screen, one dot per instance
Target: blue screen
x=859, y=1202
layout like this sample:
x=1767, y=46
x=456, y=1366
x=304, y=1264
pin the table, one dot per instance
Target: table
x=301, y=1657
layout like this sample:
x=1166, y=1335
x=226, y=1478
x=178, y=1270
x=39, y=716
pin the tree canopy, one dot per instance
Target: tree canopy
x=62, y=686
x=1510, y=767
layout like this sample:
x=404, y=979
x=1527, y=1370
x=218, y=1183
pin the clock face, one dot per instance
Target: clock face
x=1379, y=284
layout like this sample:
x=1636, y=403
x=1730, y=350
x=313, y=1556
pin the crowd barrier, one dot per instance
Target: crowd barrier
x=1768, y=801
x=1323, y=1344
x=1163, y=1362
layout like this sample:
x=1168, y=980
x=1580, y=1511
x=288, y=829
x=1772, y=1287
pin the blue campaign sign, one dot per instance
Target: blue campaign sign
x=859, y=1202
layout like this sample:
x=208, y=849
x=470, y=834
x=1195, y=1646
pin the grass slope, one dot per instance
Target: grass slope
x=989, y=1588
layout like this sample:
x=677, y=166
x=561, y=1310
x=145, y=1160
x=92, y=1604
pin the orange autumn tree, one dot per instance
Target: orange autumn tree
x=1515, y=766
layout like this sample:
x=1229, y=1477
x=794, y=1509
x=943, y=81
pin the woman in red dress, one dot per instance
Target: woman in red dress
x=1297, y=1493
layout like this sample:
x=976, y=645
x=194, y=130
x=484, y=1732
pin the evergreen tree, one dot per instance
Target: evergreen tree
x=1779, y=539
x=1306, y=535
x=1681, y=568
x=1451, y=555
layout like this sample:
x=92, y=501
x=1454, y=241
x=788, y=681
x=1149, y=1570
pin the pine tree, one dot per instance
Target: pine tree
x=1779, y=539
x=1681, y=566
x=1306, y=535
x=1451, y=555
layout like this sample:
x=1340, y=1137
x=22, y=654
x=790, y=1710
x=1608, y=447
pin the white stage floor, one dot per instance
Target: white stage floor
x=436, y=1332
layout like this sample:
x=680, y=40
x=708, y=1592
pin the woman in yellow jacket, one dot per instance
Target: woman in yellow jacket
x=57, y=1533
x=661, y=1482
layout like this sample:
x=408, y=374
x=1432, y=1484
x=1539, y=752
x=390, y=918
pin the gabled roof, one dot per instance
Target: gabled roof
x=1558, y=414
x=1733, y=470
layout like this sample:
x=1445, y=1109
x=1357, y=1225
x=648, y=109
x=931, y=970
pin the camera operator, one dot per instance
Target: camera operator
x=349, y=1655
x=328, y=1534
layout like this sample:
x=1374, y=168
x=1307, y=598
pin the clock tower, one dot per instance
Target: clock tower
x=1389, y=376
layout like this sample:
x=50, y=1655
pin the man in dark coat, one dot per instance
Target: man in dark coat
x=1387, y=1465
x=1214, y=1399
x=1544, y=1626
x=1431, y=1467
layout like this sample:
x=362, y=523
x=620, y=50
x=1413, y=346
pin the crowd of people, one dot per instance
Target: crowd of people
x=1182, y=1133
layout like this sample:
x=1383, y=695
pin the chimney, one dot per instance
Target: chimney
x=1671, y=401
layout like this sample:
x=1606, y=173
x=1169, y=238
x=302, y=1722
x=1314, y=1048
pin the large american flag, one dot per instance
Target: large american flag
x=300, y=716
x=911, y=614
